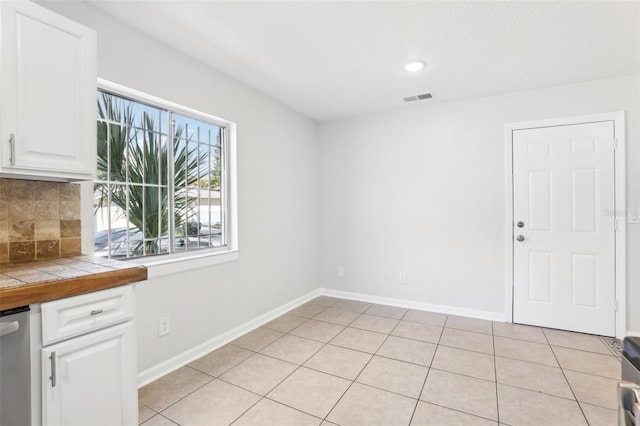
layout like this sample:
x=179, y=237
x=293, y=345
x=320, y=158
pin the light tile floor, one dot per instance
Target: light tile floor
x=342, y=362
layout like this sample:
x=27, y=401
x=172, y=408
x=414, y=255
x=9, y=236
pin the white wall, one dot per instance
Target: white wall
x=421, y=190
x=277, y=194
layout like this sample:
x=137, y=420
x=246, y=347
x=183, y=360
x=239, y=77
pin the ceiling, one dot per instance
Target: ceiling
x=333, y=59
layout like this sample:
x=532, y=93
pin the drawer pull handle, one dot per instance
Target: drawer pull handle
x=53, y=369
x=96, y=312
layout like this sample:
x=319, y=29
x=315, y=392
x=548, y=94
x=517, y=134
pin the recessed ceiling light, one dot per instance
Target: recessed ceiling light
x=414, y=66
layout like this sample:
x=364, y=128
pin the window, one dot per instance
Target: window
x=162, y=182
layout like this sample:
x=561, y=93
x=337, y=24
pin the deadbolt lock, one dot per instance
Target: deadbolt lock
x=520, y=224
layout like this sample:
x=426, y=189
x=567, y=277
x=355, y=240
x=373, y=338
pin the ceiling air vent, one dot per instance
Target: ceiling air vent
x=418, y=97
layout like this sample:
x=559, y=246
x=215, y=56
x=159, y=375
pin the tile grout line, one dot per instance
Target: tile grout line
x=356, y=378
x=364, y=367
x=325, y=344
x=218, y=377
x=565, y=377
x=298, y=366
x=424, y=383
x=589, y=374
x=249, y=408
x=457, y=410
x=415, y=407
x=292, y=407
x=546, y=342
x=559, y=367
x=584, y=350
x=372, y=355
x=146, y=406
x=213, y=378
x=548, y=345
x=281, y=381
x=190, y=393
x=165, y=417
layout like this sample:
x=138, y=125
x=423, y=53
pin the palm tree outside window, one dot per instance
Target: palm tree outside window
x=160, y=184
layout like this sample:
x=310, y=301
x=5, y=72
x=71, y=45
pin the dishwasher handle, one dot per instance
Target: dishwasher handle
x=628, y=403
x=9, y=327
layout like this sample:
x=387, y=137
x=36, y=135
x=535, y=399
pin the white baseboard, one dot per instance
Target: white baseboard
x=410, y=304
x=166, y=367
x=631, y=333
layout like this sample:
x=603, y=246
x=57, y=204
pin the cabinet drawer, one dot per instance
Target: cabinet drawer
x=74, y=316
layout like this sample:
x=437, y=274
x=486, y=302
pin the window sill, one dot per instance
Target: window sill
x=184, y=262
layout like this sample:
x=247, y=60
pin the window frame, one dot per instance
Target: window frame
x=178, y=261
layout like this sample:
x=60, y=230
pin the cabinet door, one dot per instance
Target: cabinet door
x=48, y=94
x=91, y=380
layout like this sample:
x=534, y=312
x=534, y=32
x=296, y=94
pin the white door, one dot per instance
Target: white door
x=91, y=379
x=564, y=227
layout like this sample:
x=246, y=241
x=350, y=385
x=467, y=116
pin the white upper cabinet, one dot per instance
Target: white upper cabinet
x=48, y=83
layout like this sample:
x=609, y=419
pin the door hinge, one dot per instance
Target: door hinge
x=615, y=306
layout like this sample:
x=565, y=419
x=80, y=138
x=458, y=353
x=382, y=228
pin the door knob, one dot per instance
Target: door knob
x=520, y=238
x=520, y=224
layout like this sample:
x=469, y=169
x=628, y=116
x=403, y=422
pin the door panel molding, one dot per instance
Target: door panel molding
x=618, y=118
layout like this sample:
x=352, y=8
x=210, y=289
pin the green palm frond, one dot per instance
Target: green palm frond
x=129, y=150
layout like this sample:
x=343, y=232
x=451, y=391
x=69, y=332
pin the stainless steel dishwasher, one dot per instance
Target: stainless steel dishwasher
x=629, y=389
x=15, y=368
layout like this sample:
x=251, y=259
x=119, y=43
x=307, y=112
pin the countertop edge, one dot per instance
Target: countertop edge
x=28, y=294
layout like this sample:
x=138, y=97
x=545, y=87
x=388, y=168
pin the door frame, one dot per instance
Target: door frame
x=620, y=206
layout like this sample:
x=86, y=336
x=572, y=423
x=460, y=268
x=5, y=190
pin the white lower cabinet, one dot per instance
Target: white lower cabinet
x=91, y=379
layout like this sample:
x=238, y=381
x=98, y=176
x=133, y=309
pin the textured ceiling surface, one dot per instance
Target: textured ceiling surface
x=333, y=59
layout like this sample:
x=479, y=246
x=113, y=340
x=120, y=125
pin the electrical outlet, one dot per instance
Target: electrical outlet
x=341, y=271
x=164, y=326
x=403, y=278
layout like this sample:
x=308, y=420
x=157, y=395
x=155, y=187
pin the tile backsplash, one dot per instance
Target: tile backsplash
x=38, y=220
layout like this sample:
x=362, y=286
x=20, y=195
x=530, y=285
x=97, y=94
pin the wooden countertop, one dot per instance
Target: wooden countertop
x=42, y=281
